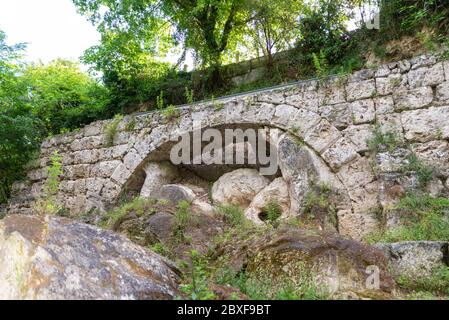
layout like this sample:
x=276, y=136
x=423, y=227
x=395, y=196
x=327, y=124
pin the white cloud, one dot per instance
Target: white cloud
x=52, y=28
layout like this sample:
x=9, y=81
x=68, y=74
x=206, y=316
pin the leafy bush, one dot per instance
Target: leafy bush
x=273, y=211
x=196, y=286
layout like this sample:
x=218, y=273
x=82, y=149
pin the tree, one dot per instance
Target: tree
x=152, y=27
x=62, y=96
x=323, y=29
x=20, y=130
x=275, y=25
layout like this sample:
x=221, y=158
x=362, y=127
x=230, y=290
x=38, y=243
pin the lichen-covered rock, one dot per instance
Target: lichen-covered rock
x=415, y=258
x=239, y=187
x=56, y=258
x=340, y=265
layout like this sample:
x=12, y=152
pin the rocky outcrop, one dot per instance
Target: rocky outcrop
x=341, y=266
x=416, y=259
x=55, y=258
x=239, y=187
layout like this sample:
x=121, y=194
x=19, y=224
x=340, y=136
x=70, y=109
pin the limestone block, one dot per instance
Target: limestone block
x=413, y=99
x=387, y=85
x=322, y=136
x=359, y=135
x=427, y=124
x=363, y=111
x=360, y=90
x=384, y=105
x=340, y=153
x=339, y=115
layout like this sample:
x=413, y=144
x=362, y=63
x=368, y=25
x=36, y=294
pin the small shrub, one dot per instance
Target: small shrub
x=233, y=215
x=171, y=113
x=131, y=125
x=321, y=64
x=160, y=103
x=111, y=130
x=182, y=218
x=382, y=141
x=160, y=248
x=196, y=287
x=273, y=211
x=424, y=173
x=318, y=203
x=47, y=203
x=189, y=95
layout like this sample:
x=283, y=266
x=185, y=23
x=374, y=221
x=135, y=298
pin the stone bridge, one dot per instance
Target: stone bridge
x=332, y=118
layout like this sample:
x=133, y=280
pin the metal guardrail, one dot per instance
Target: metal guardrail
x=246, y=93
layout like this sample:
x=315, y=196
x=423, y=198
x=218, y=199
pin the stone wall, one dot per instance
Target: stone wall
x=333, y=118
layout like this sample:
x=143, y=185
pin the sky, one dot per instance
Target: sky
x=52, y=28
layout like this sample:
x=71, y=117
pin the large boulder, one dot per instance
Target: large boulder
x=56, y=258
x=415, y=259
x=239, y=187
x=276, y=192
x=341, y=266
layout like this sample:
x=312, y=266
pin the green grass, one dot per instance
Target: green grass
x=183, y=216
x=382, y=141
x=111, y=130
x=436, y=284
x=426, y=218
x=170, y=113
x=233, y=215
x=139, y=206
x=263, y=288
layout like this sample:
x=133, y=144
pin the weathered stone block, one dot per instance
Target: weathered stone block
x=363, y=111
x=388, y=85
x=435, y=154
x=121, y=174
x=339, y=115
x=384, y=105
x=356, y=174
x=427, y=124
x=413, y=99
x=132, y=160
x=360, y=90
x=442, y=93
x=359, y=135
x=340, y=153
x=322, y=136
x=104, y=169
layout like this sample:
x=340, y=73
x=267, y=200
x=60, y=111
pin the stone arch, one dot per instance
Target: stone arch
x=320, y=156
